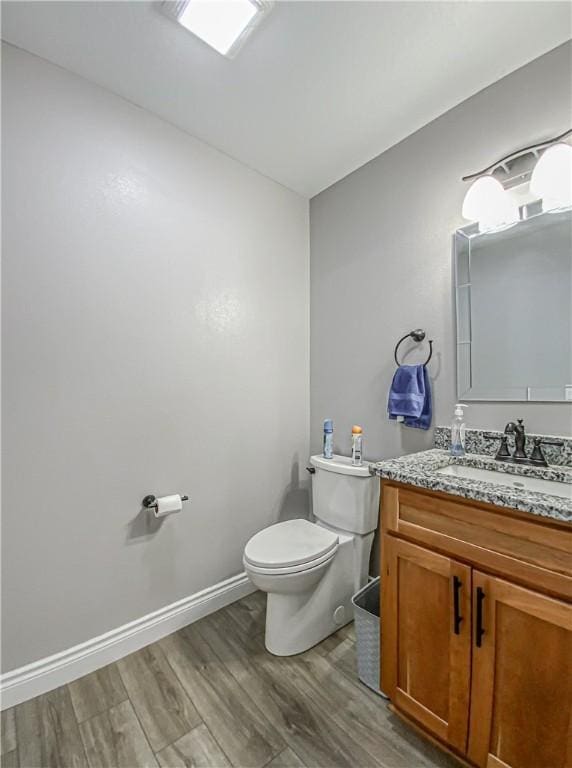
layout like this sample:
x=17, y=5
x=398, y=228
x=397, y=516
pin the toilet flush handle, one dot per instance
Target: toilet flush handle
x=311, y=470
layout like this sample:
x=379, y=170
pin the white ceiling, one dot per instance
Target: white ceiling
x=318, y=90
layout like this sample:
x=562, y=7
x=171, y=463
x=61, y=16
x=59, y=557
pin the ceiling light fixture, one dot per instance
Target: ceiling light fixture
x=222, y=24
x=491, y=200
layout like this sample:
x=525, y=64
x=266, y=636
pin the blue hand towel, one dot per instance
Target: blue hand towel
x=423, y=421
x=410, y=396
x=407, y=393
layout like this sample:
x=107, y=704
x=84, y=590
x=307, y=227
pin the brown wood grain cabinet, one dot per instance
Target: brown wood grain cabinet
x=477, y=627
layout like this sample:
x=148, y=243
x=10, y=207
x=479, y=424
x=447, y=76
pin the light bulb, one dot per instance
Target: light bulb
x=488, y=203
x=551, y=178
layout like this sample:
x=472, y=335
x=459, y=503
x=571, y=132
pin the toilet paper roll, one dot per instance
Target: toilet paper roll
x=168, y=504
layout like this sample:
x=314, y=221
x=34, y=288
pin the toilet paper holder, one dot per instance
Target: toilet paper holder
x=150, y=501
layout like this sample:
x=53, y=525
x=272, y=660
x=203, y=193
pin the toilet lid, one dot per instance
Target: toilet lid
x=292, y=542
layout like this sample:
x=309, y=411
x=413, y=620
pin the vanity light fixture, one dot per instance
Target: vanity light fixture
x=488, y=203
x=546, y=165
x=222, y=24
x=551, y=178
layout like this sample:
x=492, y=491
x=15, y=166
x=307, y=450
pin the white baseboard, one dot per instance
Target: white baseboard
x=49, y=673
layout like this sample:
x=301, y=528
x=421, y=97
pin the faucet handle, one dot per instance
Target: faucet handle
x=537, y=457
x=503, y=454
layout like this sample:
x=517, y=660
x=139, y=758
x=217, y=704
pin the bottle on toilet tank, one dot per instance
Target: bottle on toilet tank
x=328, y=450
x=357, y=445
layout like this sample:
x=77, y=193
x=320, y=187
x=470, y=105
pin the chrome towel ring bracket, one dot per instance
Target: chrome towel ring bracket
x=417, y=335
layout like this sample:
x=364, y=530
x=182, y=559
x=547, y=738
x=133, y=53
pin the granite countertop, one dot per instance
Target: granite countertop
x=419, y=469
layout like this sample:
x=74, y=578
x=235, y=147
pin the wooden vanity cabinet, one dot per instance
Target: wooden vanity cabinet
x=477, y=645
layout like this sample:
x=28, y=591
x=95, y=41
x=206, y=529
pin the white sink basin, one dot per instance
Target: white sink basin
x=522, y=482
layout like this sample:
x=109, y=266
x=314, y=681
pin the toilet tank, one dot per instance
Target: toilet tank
x=345, y=496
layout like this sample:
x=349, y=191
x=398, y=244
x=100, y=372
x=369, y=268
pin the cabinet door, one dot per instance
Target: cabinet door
x=426, y=638
x=521, y=694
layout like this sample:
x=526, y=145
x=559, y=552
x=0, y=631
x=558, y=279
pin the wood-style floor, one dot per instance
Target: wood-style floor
x=211, y=695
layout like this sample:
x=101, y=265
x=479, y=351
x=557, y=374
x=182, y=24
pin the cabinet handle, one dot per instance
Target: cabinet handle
x=457, y=585
x=480, y=630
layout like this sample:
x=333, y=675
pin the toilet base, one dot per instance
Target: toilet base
x=296, y=622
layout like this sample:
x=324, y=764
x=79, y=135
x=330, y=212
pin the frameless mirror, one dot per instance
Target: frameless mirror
x=514, y=310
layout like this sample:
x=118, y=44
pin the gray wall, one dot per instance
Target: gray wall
x=155, y=339
x=381, y=261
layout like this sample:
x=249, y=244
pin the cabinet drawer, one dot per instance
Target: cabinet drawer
x=535, y=552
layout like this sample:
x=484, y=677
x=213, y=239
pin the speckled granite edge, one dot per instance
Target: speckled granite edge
x=419, y=469
x=478, y=441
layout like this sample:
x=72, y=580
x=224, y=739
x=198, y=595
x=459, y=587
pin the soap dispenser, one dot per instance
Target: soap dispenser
x=457, y=447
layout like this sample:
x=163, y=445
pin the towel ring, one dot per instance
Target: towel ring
x=417, y=335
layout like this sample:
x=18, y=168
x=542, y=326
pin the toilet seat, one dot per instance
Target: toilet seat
x=289, y=547
x=286, y=571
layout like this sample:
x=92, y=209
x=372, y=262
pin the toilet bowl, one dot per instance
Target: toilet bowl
x=310, y=570
x=289, y=557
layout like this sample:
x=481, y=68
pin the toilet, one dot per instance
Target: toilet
x=310, y=570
